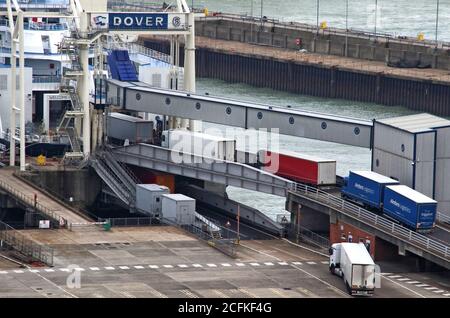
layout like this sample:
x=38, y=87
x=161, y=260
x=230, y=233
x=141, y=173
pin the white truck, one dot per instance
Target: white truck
x=353, y=263
x=199, y=144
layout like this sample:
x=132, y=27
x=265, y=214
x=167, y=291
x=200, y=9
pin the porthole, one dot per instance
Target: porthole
x=291, y=120
x=198, y=106
x=324, y=125
x=403, y=148
x=228, y=110
x=168, y=101
x=377, y=163
x=260, y=115
x=138, y=96
x=356, y=130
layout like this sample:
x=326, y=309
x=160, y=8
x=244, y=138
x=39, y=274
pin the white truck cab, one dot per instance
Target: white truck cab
x=353, y=263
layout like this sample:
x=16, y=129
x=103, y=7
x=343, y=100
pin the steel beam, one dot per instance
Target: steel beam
x=141, y=98
x=207, y=169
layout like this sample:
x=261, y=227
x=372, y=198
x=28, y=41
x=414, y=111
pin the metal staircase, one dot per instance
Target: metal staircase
x=69, y=86
x=116, y=176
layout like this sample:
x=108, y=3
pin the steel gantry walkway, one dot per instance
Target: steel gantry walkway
x=140, y=97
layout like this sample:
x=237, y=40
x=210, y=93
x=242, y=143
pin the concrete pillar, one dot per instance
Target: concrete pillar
x=243, y=34
x=285, y=41
x=358, y=51
x=388, y=55
x=313, y=45
x=328, y=47
x=372, y=52
x=403, y=55
x=434, y=63
x=189, y=61
x=83, y=92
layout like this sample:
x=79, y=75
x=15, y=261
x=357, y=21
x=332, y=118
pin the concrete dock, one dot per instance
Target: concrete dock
x=24, y=192
x=161, y=262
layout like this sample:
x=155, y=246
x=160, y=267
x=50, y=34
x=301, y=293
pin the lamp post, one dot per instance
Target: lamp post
x=317, y=15
x=376, y=16
x=346, y=28
x=437, y=21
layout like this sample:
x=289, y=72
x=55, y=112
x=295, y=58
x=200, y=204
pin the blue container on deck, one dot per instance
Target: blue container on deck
x=410, y=207
x=366, y=187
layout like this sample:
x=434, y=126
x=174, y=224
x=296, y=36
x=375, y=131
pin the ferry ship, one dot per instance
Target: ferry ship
x=44, y=65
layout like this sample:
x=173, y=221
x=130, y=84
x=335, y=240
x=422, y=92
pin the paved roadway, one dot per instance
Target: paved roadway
x=165, y=262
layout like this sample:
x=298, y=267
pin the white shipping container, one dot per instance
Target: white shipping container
x=149, y=198
x=199, y=144
x=178, y=208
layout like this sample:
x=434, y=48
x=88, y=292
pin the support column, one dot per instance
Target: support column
x=12, y=115
x=21, y=90
x=189, y=62
x=83, y=92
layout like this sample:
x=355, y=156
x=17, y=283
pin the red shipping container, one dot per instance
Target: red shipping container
x=300, y=168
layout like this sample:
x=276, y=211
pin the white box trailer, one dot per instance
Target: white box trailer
x=199, y=144
x=149, y=198
x=178, y=208
x=353, y=263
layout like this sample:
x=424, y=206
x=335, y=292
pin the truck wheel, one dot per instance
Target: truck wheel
x=332, y=270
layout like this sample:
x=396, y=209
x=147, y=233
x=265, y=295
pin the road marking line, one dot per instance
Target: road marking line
x=80, y=269
x=311, y=263
x=297, y=263
x=283, y=263
x=395, y=276
x=254, y=264
x=211, y=265
x=139, y=267
x=402, y=286
x=3, y=272
x=448, y=294
x=422, y=285
x=240, y=264
x=403, y=279
x=413, y=282
x=438, y=291
x=109, y=268
x=49, y=270
x=64, y=270
x=153, y=266
x=325, y=262
x=94, y=268
x=430, y=288
x=220, y=294
x=197, y=265
x=225, y=265
x=168, y=266
x=34, y=271
x=269, y=264
x=183, y=266
x=386, y=274
x=18, y=271
x=124, y=267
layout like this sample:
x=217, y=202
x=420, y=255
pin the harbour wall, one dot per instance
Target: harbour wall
x=318, y=80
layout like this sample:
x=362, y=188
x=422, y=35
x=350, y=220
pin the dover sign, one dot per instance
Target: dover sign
x=117, y=21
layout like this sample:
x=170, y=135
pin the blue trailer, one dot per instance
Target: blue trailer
x=410, y=207
x=366, y=188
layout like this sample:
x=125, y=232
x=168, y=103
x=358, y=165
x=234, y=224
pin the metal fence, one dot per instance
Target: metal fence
x=25, y=246
x=372, y=219
x=124, y=222
x=301, y=233
x=58, y=221
x=443, y=218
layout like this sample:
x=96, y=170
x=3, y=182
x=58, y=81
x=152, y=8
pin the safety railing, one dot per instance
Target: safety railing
x=46, y=79
x=443, y=218
x=373, y=219
x=59, y=221
x=135, y=48
x=387, y=37
x=307, y=235
x=25, y=246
